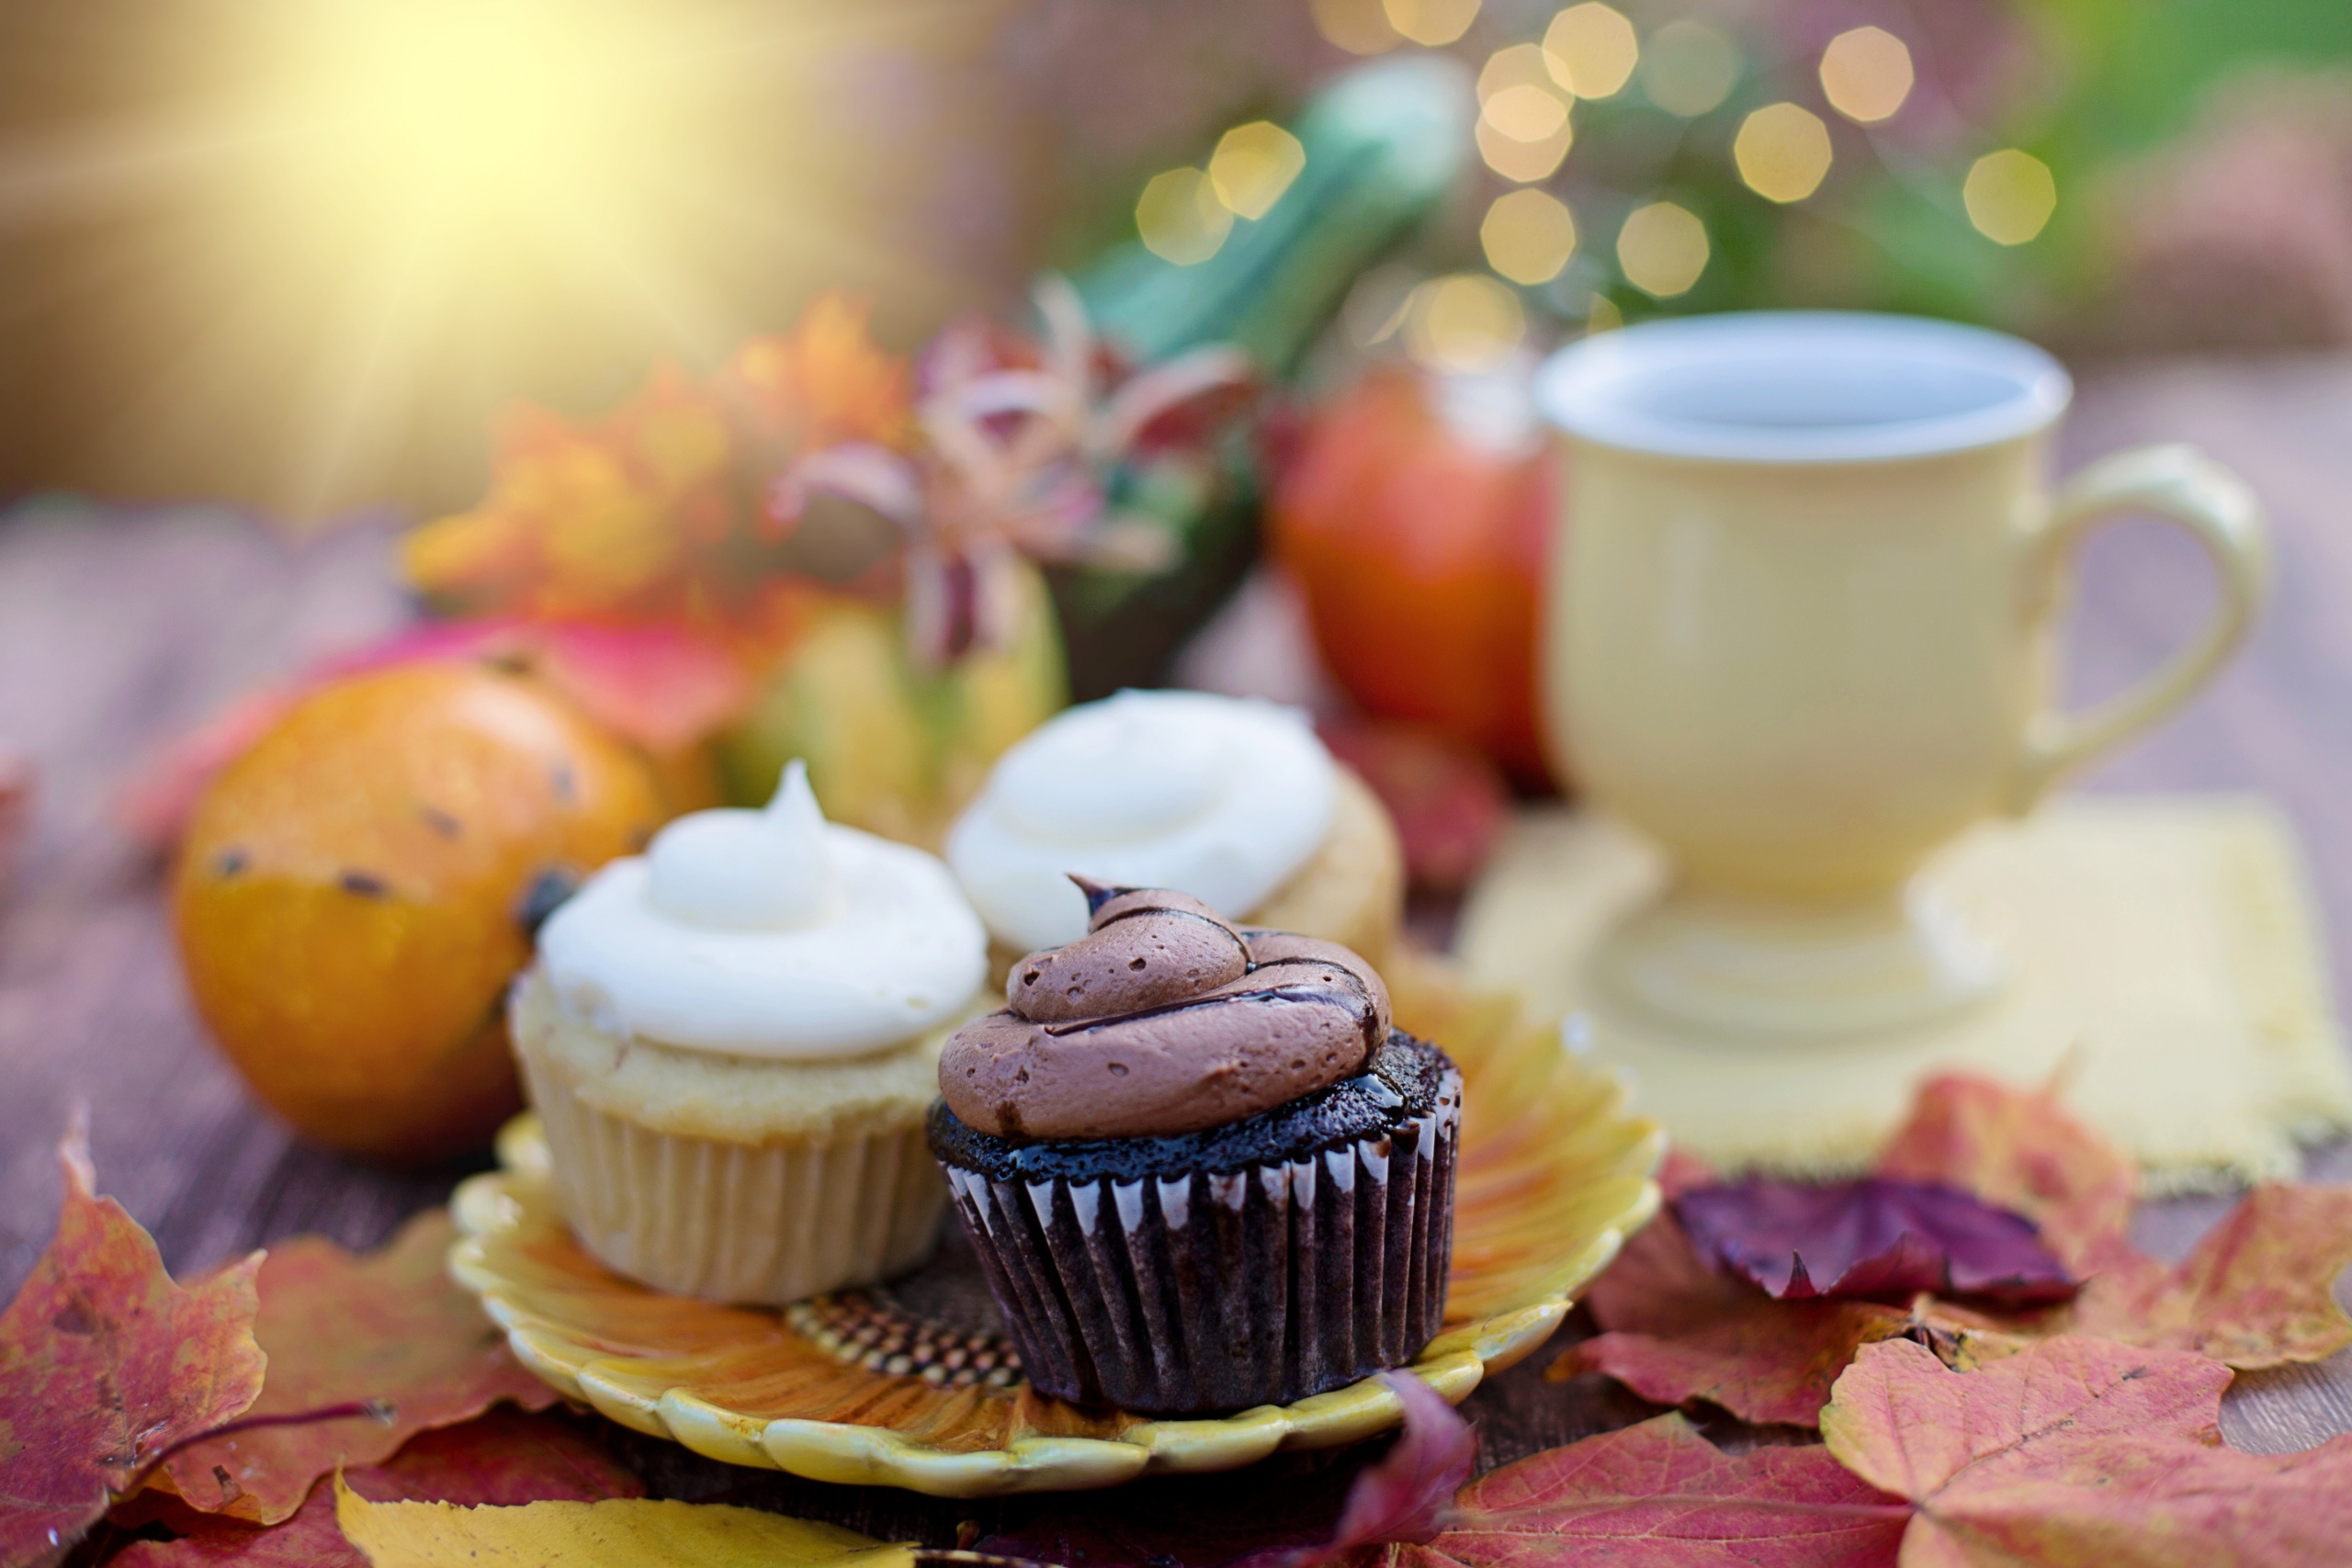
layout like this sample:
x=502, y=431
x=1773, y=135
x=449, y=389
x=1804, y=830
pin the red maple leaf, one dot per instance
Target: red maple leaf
x=1660, y=1496
x=2256, y=1292
x=105, y=1365
x=390, y=1328
x=2080, y=1451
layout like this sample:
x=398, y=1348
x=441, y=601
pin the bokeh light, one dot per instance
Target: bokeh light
x=1526, y=113
x=1528, y=235
x=1360, y=27
x=2010, y=196
x=1690, y=68
x=1866, y=75
x=1432, y=22
x=1181, y=218
x=1514, y=65
x=1523, y=130
x=1782, y=151
x=1662, y=249
x=1523, y=162
x=1253, y=164
x=1591, y=49
x=1465, y=322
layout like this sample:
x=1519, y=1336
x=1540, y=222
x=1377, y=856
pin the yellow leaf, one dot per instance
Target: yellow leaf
x=619, y=1533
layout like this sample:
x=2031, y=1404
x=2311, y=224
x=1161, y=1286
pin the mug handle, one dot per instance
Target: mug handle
x=2184, y=487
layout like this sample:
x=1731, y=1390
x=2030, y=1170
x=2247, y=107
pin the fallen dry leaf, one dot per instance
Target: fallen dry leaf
x=503, y=1458
x=1677, y=1329
x=2019, y=1149
x=389, y=1327
x=2081, y=1451
x=2256, y=1292
x=105, y=1365
x=1407, y=1495
x=1660, y=1496
x=622, y=1533
x=1263, y=1519
x=1879, y=1238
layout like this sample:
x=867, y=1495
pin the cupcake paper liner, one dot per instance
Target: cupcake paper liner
x=1217, y=1292
x=756, y=1222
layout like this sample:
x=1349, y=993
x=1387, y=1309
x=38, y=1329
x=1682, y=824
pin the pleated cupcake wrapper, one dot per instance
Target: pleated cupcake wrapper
x=756, y=1223
x=1216, y=1292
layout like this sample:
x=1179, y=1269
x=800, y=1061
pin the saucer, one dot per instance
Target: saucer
x=914, y=1385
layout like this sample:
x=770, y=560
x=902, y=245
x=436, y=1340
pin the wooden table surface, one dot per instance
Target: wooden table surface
x=118, y=630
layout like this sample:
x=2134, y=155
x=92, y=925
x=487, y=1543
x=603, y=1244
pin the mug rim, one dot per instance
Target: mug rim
x=1583, y=389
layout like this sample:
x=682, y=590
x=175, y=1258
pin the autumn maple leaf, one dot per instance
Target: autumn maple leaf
x=389, y=1330
x=105, y=1365
x=1879, y=1238
x=2256, y=1292
x=1660, y=1496
x=506, y=1458
x=2080, y=1451
x=1259, y=1521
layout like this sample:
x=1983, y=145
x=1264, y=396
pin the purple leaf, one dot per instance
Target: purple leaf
x=1404, y=1498
x=1879, y=1238
x=1266, y=1517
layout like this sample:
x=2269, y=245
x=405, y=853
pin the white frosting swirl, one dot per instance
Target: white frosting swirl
x=767, y=933
x=1220, y=797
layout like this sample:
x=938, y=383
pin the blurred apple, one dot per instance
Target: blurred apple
x=1414, y=517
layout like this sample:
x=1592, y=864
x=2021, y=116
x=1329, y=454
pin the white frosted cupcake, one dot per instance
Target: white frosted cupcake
x=1229, y=799
x=733, y=1041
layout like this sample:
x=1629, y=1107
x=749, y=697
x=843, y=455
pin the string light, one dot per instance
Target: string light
x=1591, y=49
x=2010, y=195
x=1782, y=151
x=1662, y=249
x=1528, y=236
x=1866, y=75
x=1690, y=68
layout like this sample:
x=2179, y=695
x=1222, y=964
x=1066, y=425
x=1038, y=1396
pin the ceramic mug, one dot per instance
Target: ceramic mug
x=1801, y=630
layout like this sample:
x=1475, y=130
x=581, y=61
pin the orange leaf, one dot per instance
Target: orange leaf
x=2258, y=1291
x=1660, y=1496
x=105, y=1365
x=389, y=1327
x=1680, y=1330
x=2081, y=1451
x=504, y=1458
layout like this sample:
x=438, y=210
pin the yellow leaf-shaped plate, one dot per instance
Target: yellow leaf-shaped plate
x=1553, y=1173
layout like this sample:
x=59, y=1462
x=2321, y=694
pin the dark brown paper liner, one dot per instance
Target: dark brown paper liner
x=1200, y=1293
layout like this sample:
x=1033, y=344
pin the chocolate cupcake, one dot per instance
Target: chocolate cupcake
x=1201, y=1169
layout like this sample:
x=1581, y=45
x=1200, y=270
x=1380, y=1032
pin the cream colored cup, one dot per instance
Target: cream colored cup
x=1802, y=630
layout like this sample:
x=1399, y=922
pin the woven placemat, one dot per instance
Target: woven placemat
x=2170, y=979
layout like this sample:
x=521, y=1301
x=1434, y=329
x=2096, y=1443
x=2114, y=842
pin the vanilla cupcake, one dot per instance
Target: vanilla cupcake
x=733, y=1041
x=1231, y=800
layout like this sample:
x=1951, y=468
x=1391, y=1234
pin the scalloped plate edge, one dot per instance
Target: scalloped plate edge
x=1452, y=1364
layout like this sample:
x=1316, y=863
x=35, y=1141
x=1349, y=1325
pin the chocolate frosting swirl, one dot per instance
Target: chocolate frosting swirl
x=1165, y=1018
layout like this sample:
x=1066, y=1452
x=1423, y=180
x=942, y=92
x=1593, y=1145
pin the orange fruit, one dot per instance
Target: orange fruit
x=355, y=891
